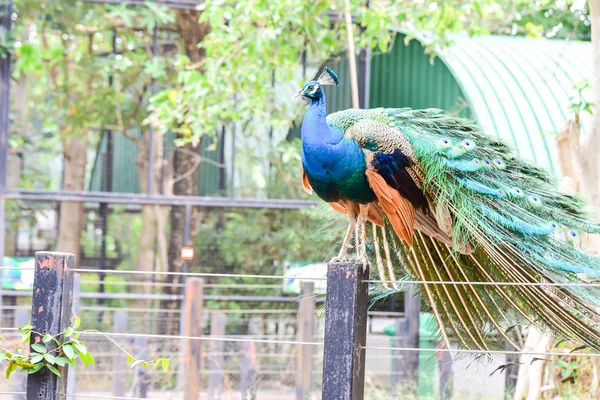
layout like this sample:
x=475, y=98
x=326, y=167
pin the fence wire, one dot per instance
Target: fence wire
x=304, y=278
x=245, y=339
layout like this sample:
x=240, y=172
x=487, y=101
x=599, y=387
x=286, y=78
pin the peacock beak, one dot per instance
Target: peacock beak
x=299, y=93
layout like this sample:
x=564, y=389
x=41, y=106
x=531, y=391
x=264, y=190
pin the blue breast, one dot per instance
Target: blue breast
x=334, y=165
x=337, y=170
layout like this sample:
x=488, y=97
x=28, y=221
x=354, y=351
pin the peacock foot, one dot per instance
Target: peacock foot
x=363, y=260
x=338, y=259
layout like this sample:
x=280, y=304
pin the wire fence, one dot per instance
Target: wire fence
x=245, y=338
x=299, y=278
x=280, y=372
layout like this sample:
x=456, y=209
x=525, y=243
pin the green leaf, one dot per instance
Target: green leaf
x=26, y=327
x=50, y=358
x=165, y=364
x=47, y=338
x=53, y=369
x=2, y=357
x=40, y=348
x=68, y=350
x=36, y=368
x=83, y=359
x=77, y=323
x=61, y=361
x=129, y=359
x=87, y=359
x=80, y=347
x=137, y=362
x=157, y=362
x=68, y=332
x=36, y=358
x=11, y=367
x=144, y=364
x=26, y=337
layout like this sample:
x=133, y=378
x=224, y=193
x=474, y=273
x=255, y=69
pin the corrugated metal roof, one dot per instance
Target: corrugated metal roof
x=519, y=88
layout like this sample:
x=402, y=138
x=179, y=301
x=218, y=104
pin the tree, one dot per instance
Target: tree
x=65, y=97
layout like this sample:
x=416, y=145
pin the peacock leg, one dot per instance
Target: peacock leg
x=357, y=236
x=343, y=254
x=362, y=254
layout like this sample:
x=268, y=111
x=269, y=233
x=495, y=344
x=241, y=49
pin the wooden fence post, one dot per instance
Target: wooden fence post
x=193, y=324
x=119, y=362
x=248, y=383
x=51, y=313
x=141, y=379
x=406, y=364
x=306, y=312
x=216, y=361
x=346, y=306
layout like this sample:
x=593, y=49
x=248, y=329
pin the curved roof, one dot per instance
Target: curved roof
x=519, y=88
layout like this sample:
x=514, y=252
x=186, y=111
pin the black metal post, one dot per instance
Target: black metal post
x=232, y=172
x=187, y=220
x=364, y=77
x=6, y=15
x=5, y=63
x=222, y=169
x=50, y=313
x=150, y=171
x=345, y=331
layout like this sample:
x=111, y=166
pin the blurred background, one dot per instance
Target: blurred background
x=133, y=130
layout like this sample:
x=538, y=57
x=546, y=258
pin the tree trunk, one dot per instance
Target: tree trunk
x=529, y=382
x=153, y=219
x=71, y=213
x=186, y=170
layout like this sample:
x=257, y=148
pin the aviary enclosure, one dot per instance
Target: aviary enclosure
x=207, y=255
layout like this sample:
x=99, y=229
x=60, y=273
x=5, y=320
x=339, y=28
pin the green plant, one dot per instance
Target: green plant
x=69, y=348
x=579, y=103
x=567, y=368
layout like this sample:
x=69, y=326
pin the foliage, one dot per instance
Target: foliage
x=572, y=377
x=579, y=102
x=73, y=80
x=254, y=43
x=548, y=18
x=59, y=350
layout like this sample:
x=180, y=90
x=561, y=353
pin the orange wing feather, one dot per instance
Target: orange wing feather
x=339, y=207
x=371, y=211
x=399, y=211
x=305, y=183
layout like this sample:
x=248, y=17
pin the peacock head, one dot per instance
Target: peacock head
x=313, y=90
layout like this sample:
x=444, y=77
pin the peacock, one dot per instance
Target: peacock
x=430, y=197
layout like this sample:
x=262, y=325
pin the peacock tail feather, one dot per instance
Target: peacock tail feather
x=492, y=218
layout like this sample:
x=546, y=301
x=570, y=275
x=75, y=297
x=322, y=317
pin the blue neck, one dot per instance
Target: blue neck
x=314, y=126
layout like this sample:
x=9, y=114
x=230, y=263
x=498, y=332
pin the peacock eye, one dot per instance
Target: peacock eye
x=310, y=88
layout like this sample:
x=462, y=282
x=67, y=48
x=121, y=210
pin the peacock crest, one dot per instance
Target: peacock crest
x=328, y=77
